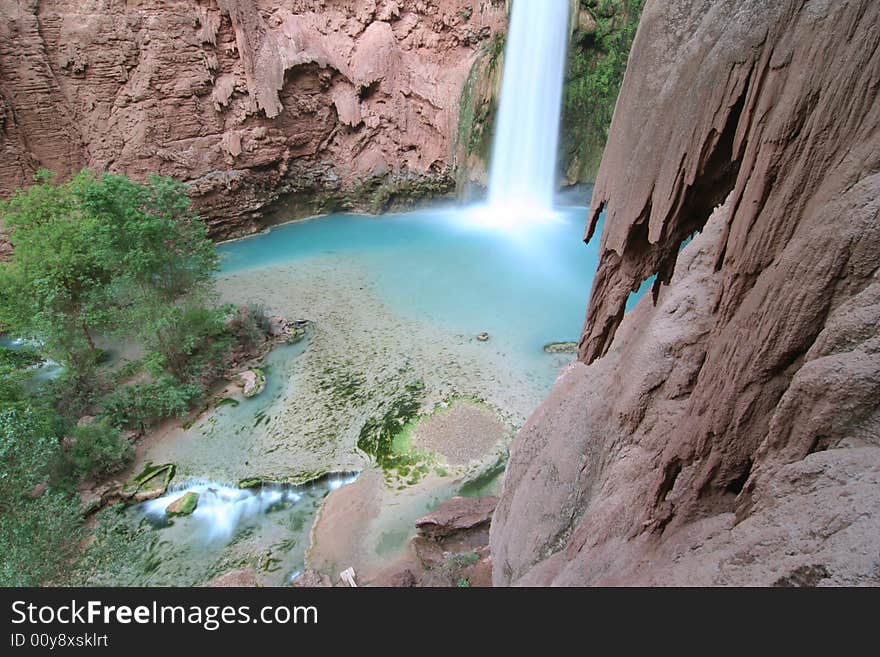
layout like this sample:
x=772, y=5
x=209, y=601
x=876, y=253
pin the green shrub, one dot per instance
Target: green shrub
x=188, y=342
x=140, y=405
x=250, y=325
x=98, y=451
x=37, y=536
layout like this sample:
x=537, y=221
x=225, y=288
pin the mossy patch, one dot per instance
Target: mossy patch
x=477, y=109
x=153, y=481
x=388, y=439
x=184, y=505
x=561, y=347
x=344, y=384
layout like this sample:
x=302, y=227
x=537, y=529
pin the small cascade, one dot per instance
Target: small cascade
x=222, y=509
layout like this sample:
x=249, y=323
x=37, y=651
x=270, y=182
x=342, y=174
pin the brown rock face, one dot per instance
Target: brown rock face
x=457, y=515
x=726, y=431
x=270, y=110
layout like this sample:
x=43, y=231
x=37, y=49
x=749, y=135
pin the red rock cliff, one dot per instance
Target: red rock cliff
x=726, y=431
x=328, y=104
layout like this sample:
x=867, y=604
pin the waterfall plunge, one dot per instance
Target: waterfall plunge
x=522, y=179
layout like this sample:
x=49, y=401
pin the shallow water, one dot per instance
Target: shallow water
x=219, y=444
x=266, y=529
x=525, y=289
x=447, y=277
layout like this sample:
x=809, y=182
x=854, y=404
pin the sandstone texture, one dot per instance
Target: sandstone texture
x=726, y=431
x=456, y=515
x=271, y=110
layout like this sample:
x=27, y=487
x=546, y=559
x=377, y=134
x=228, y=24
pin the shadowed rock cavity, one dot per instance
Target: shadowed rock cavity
x=727, y=431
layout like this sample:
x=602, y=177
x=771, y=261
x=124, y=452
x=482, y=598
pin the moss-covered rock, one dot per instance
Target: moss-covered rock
x=561, y=347
x=151, y=483
x=252, y=382
x=597, y=59
x=183, y=505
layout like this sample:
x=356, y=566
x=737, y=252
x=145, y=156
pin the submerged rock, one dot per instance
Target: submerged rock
x=561, y=347
x=252, y=382
x=184, y=505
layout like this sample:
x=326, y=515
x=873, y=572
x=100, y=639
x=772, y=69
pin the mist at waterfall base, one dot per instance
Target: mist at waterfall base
x=435, y=266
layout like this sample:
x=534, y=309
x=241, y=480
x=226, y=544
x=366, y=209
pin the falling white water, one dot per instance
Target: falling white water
x=522, y=179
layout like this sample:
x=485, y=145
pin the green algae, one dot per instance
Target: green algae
x=388, y=439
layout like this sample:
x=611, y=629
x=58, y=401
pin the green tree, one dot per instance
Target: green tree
x=102, y=253
x=55, y=288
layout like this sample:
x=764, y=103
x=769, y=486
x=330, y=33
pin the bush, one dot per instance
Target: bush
x=140, y=405
x=98, y=451
x=250, y=325
x=188, y=342
x=37, y=536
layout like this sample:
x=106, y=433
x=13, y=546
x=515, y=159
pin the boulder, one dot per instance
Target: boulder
x=561, y=347
x=85, y=420
x=252, y=382
x=37, y=491
x=401, y=580
x=429, y=553
x=151, y=483
x=457, y=515
x=183, y=505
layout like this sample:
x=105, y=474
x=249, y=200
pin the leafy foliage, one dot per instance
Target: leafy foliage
x=597, y=63
x=38, y=533
x=97, y=258
x=140, y=405
x=98, y=451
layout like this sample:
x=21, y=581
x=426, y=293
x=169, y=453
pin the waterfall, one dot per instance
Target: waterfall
x=522, y=178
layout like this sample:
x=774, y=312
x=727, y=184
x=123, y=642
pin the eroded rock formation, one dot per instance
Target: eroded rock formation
x=727, y=431
x=329, y=104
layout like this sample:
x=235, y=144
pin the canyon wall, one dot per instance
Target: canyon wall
x=269, y=109
x=727, y=430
